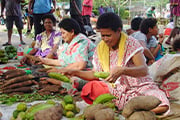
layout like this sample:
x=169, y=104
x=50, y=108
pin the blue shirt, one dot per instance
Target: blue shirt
x=42, y=6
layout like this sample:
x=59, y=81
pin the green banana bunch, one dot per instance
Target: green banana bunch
x=104, y=98
x=103, y=75
x=59, y=76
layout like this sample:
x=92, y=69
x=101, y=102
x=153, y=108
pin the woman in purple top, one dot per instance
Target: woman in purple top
x=47, y=42
x=101, y=10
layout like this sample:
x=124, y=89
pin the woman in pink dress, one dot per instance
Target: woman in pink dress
x=123, y=57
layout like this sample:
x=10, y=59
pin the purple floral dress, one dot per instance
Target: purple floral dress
x=45, y=43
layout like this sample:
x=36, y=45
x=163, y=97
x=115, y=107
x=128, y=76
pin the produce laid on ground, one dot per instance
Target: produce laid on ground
x=9, y=52
x=16, y=85
x=139, y=107
x=49, y=110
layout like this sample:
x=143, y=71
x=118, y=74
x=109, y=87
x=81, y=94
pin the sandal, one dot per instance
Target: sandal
x=23, y=43
x=6, y=44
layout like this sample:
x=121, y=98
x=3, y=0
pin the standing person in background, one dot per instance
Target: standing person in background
x=151, y=12
x=86, y=14
x=13, y=14
x=175, y=12
x=75, y=12
x=38, y=8
x=101, y=10
x=29, y=21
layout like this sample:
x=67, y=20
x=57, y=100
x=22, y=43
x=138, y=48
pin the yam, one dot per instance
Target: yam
x=15, y=73
x=142, y=115
x=145, y=103
x=89, y=112
x=17, y=85
x=17, y=79
x=54, y=81
x=105, y=114
x=34, y=58
x=21, y=89
x=53, y=113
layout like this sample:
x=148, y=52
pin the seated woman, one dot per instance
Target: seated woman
x=147, y=37
x=123, y=57
x=76, y=52
x=166, y=71
x=47, y=42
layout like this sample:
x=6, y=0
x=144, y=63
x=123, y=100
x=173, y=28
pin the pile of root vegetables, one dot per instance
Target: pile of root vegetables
x=16, y=81
x=16, y=85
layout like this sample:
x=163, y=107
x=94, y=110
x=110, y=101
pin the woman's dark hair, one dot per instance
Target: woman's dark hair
x=176, y=43
x=50, y=16
x=153, y=8
x=146, y=24
x=109, y=20
x=70, y=24
x=135, y=23
x=175, y=31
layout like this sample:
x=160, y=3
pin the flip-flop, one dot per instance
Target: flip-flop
x=23, y=43
x=6, y=44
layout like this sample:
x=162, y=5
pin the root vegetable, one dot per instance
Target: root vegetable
x=15, y=74
x=20, y=84
x=33, y=58
x=27, y=89
x=54, y=81
x=9, y=72
x=140, y=103
x=53, y=113
x=44, y=69
x=17, y=79
x=105, y=114
x=142, y=115
x=89, y=113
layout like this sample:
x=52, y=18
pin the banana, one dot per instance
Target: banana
x=59, y=76
x=104, y=98
x=34, y=109
x=103, y=75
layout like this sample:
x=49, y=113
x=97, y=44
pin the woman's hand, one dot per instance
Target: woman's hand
x=54, y=70
x=42, y=60
x=114, y=74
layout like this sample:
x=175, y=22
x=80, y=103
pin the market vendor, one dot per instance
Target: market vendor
x=123, y=57
x=76, y=52
x=47, y=42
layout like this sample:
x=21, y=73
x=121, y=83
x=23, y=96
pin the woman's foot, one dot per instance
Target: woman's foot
x=6, y=44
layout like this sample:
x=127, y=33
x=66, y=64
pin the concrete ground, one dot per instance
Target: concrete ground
x=15, y=38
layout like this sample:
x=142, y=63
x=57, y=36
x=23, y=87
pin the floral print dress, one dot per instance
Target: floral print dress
x=80, y=49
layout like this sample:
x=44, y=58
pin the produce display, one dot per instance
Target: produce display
x=39, y=111
x=3, y=57
x=69, y=106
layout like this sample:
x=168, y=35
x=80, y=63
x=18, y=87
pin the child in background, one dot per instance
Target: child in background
x=174, y=32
